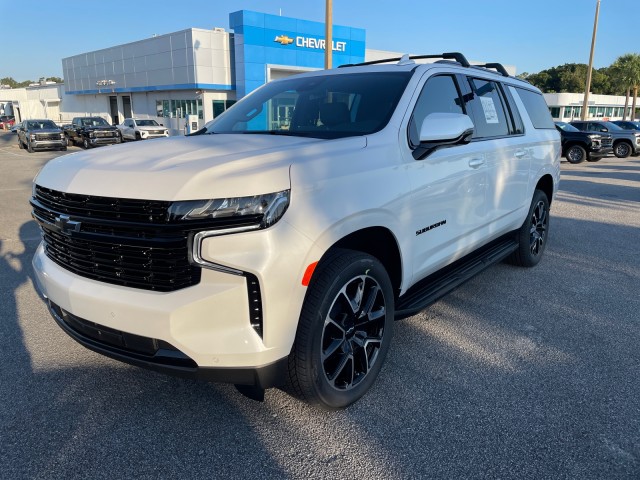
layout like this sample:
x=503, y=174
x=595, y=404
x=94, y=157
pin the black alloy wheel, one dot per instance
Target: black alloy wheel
x=353, y=332
x=539, y=226
x=576, y=154
x=344, y=332
x=86, y=143
x=533, y=235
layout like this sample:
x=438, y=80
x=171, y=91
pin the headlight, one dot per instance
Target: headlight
x=61, y=136
x=263, y=210
x=92, y=134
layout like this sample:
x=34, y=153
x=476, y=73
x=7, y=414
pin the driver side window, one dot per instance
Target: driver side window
x=439, y=95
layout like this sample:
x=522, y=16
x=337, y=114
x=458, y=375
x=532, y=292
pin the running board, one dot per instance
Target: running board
x=435, y=286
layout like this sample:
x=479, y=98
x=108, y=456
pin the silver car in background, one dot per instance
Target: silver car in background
x=41, y=135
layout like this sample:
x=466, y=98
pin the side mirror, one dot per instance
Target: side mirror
x=441, y=130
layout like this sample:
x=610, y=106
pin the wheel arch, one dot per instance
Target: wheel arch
x=379, y=242
x=546, y=185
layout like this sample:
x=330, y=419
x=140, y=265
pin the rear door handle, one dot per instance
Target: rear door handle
x=476, y=162
x=520, y=153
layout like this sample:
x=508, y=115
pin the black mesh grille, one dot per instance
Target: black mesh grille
x=132, y=210
x=119, y=241
x=47, y=136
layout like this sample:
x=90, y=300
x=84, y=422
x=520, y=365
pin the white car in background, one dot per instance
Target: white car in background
x=141, y=129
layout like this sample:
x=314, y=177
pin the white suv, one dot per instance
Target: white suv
x=272, y=249
x=141, y=129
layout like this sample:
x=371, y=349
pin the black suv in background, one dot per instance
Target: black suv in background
x=625, y=142
x=579, y=146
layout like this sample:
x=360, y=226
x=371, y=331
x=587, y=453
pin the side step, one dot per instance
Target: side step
x=435, y=286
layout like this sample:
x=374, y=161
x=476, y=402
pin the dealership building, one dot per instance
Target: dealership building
x=186, y=78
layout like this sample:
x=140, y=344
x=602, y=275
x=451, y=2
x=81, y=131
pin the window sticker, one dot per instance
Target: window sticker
x=489, y=108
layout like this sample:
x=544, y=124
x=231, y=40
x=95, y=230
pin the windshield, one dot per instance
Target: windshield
x=566, y=127
x=327, y=106
x=147, y=123
x=41, y=125
x=612, y=126
x=94, y=122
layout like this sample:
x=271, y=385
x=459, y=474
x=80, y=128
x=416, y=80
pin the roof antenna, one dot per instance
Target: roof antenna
x=406, y=60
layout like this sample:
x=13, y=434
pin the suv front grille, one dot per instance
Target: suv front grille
x=607, y=142
x=119, y=241
x=47, y=136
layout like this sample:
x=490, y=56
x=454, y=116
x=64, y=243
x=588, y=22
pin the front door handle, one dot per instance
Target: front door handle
x=476, y=162
x=520, y=153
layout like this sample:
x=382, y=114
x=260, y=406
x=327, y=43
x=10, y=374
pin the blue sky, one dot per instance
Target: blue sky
x=531, y=35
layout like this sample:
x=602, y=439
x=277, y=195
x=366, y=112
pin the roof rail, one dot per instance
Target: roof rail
x=458, y=57
x=496, y=66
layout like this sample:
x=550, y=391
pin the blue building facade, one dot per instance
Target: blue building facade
x=263, y=42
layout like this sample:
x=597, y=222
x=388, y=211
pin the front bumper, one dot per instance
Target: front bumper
x=158, y=355
x=48, y=144
x=95, y=141
x=207, y=325
x=144, y=135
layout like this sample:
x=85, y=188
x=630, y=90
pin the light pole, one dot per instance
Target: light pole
x=328, y=34
x=585, y=104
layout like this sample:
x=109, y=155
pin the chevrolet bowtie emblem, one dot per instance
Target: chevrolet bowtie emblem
x=283, y=40
x=66, y=225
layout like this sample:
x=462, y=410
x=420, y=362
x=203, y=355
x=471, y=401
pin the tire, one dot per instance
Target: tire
x=86, y=144
x=20, y=144
x=576, y=154
x=29, y=147
x=69, y=141
x=335, y=359
x=63, y=149
x=533, y=235
x=622, y=149
x=138, y=137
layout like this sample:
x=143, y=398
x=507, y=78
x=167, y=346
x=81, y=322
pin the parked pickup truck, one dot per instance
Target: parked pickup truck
x=91, y=132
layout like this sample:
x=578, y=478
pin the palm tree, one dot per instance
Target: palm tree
x=627, y=68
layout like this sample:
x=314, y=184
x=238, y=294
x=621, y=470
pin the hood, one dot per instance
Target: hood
x=45, y=130
x=184, y=168
x=152, y=127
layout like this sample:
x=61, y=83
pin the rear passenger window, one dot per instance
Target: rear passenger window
x=439, y=95
x=487, y=105
x=536, y=108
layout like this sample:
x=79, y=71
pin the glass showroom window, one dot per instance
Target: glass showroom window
x=220, y=106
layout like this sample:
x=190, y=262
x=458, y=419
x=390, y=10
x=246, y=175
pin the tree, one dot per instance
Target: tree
x=627, y=69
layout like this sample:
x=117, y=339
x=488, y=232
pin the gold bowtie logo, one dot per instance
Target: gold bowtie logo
x=283, y=40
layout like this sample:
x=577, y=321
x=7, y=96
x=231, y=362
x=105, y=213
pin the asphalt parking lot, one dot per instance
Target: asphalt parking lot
x=519, y=373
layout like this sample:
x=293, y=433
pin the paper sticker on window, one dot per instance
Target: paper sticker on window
x=489, y=108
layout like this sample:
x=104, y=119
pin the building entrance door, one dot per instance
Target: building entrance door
x=126, y=106
x=113, y=106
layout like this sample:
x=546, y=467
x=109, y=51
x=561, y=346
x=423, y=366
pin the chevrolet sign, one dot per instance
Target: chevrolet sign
x=310, y=42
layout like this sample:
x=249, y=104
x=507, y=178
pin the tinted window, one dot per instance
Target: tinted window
x=322, y=106
x=488, y=109
x=440, y=94
x=536, y=108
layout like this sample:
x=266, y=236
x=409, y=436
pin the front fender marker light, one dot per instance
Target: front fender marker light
x=308, y=273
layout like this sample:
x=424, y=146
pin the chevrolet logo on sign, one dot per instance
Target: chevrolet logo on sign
x=283, y=40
